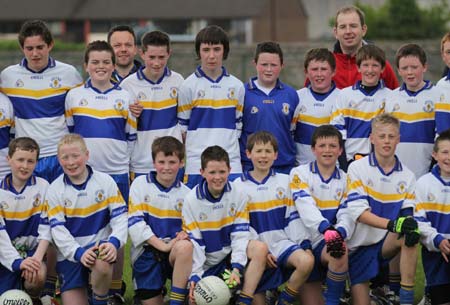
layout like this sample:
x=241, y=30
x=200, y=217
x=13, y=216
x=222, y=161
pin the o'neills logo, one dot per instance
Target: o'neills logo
x=16, y=302
x=206, y=293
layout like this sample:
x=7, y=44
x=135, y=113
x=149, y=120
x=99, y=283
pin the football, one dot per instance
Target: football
x=15, y=297
x=212, y=290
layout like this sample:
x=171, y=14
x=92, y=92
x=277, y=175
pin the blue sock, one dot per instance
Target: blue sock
x=406, y=294
x=244, y=299
x=99, y=299
x=177, y=295
x=335, y=286
x=394, y=282
x=287, y=296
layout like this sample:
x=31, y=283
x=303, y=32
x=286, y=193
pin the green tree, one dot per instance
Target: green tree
x=404, y=19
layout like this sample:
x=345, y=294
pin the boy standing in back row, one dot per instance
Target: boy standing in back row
x=210, y=105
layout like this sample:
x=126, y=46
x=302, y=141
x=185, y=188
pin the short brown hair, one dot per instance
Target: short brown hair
x=262, y=137
x=320, y=54
x=99, y=45
x=326, y=131
x=212, y=34
x=168, y=146
x=35, y=28
x=370, y=51
x=411, y=49
x=214, y=153
x=23, y=143
x=350, y=9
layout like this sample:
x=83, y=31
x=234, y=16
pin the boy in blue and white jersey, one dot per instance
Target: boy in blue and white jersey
x=160, y=248
x=269, y=105
x=443, y=108
x=415, y=105
x=357, y=105
x=88, y=220
x=210, y=104
x=316, y=100
x=6, y=129
x=24, y=230
x=432, y=205
x=317, y=189
x=215, y=216
x=270, y=206
x=155, y=87
x=380, y=200
x=37, y=88
x=98, y=111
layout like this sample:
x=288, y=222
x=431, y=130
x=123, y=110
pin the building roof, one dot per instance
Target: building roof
x=128, y=9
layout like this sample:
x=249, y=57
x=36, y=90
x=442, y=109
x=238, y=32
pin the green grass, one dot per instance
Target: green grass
x=129, y=293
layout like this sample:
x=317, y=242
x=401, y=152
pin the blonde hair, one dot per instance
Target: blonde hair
x=444, y=40
x=385, y=119
x=72, y=138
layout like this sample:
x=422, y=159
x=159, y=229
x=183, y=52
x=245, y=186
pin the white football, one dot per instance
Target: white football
x=15, y=297
x=212, y=290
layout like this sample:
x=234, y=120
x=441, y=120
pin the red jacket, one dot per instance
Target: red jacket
x=347, y=72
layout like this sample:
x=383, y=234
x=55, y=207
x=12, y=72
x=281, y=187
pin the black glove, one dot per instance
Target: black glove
x=402, y=225
x=412, y=238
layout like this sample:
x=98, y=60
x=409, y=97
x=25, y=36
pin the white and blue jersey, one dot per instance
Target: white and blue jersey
x=314, y=110
x=418, y=124
x=217, y=227
x=23, y=220
x=210, y=111
x=81, y=216
x=153, y=211
x=269, y=207
x=159, y=116
x=443, y=106
x=387, y=195
x=105, y=123
x=317, y=200
x=433, y=216
x=352, y=115
x=273, y=112
x=38, y=101
x=6, y=129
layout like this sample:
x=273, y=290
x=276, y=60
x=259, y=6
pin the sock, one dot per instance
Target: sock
x=50, y=286
x=287, y=296
x=116, y=287
x=99, y=299
x=177, y=295
x=394, y=282
x=335, y=287
x=406, y=294
x=244, y=299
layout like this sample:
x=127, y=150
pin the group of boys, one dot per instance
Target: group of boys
x=246, y=213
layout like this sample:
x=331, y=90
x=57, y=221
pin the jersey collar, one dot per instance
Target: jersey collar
x=428, y=85
x=314, y=168
x=151, y=178
x=200, y=73
x=82, y=186
x=51, y=64
x=252, y=86
x=7, y=184
x=88, y=84
x=141, y=76
x=321, y=96
x=358, y=86
x=374, y=162
x=246, y=176
x=203, y=192
x=436, y=171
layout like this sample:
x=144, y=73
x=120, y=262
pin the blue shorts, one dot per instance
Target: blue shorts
x=150, y=270
x=48, y=168
x=319, y=271
x=72, y=275
x=365, y=263
x=123, y=183
x=437, y=270
x=192, y=180
x=9, y=280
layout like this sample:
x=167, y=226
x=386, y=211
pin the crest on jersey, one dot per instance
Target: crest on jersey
x=254, y=110
x=303, y=109
x=431, y=197
x=231, y=93
x=67, y=203
x=285, y=108
x=401, y=187
x=2, y=114
x=99, y=195
x=83, y=102
x=396, y=107
x=232, y=210
x=200, y=94
x=4, y=205
x=141, y=96
x=428, y=106
x=280, y=193
x=383, y=104
x=119, y=104
x=202, y=216
x=352, y=104
x=295, y=183
x=173, y=92
x=147, y=198
x=369, y=182
x=55, y=82
x=19, y=83
x=179, y=204
x=338, y=194
x=37, y=200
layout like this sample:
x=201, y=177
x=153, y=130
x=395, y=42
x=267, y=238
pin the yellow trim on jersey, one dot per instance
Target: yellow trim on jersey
x=154, y=211
x=101, y=113
x=303, y=118
x=266, y=205
x=298, y=185
x=360, y=114
x=382, y=197
x=412, y=117
x=84, y=211
x=432, y=206
x=326, y=204
x=35, y=93
x=160, y=104
x=21, y=215
x=215, y=225
x=7, y=122
x=211, y=104
x=442, y=106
